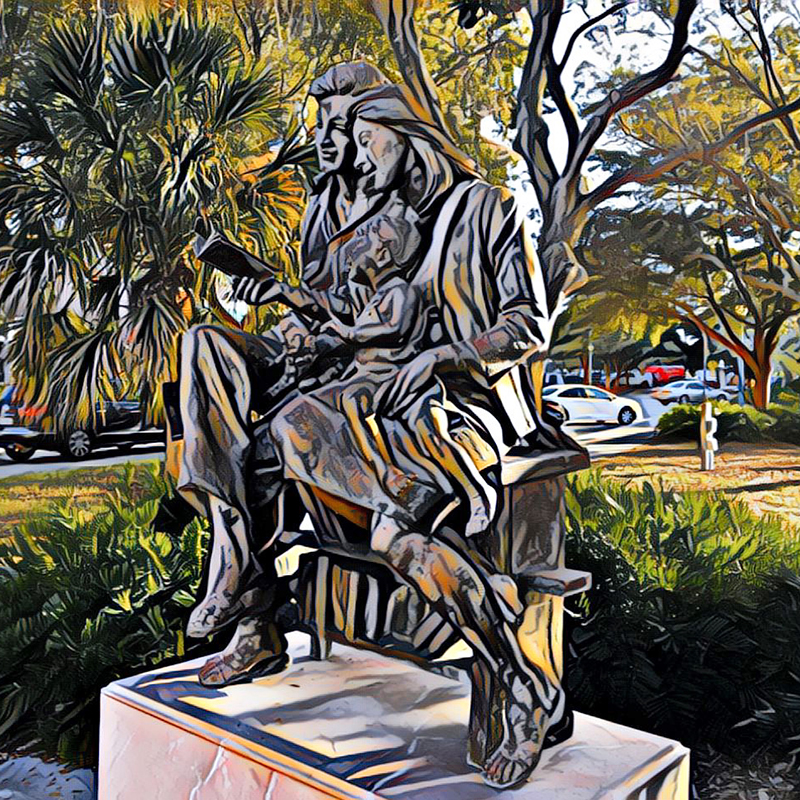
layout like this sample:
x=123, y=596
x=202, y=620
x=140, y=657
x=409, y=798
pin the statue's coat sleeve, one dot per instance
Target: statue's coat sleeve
x=492, y=290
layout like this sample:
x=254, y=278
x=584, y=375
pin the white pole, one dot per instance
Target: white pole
x=740, y=364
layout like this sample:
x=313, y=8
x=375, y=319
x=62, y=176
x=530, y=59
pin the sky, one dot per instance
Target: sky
x=644, y=50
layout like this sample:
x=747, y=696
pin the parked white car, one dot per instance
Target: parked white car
x=690, y=391
x=586, y=404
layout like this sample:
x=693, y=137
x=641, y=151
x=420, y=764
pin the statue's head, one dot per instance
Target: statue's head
x=397, y=142
x=335, y=92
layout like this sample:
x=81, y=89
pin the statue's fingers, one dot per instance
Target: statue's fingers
x=397, y=396
x=242, y=287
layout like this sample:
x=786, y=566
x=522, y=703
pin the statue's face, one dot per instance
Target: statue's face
x=380, y=153
x=331, y=135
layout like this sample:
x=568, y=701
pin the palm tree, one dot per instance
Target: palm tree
x=114, y=141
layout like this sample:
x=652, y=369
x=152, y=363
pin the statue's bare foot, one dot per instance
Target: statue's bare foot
x=485, y=730
x=524, y=728
x=257, y=649
x=215, y=611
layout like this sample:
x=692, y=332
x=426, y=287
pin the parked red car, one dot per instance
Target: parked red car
x=665, y=372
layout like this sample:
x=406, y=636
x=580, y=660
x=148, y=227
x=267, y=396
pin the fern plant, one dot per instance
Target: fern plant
x=692, y=625
x=83, y=601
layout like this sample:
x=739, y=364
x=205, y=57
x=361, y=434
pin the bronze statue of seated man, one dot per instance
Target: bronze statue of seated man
x=412, y=451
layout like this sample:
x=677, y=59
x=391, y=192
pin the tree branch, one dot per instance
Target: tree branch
x=702, y=153
x=773, y=286
x=735, y=346
x=738, y=77
x=734, y=273
x=716, y=307
x=763, y=219
x=590, y=23
x=447, y=74
x=397, y=19
x=532, y=131
x=556, y=88
x=634, y=90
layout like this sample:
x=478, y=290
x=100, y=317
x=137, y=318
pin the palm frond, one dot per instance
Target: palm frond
x=82, y=373
x=246, y=97
x=25, y=131
x=151, y=334
x=72, y=62
x=151, y=56
x=38, y=195
x=190, y=174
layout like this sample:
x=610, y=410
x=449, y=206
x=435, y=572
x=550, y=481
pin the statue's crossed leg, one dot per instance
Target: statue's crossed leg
x=525, y=697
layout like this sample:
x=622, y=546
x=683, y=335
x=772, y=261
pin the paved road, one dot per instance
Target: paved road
x=49, y=460
x=604, y=440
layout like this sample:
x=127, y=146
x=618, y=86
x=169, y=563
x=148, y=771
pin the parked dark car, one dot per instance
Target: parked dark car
x=24, y=429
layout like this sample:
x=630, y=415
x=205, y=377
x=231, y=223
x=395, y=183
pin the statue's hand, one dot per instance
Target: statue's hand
x=256, y=292
x=327, y=343
x=301, y=352
x=398, y=394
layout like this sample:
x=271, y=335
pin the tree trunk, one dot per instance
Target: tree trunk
x=762, y=384
x=762, y=373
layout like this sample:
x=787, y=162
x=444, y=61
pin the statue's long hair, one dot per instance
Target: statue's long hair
x=439, y=163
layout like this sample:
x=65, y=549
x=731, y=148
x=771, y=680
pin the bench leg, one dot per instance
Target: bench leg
x=320, y=644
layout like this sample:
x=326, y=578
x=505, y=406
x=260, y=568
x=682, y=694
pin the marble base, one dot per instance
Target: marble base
x=359, y=725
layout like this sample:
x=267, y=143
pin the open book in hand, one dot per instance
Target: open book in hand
x=217, y=250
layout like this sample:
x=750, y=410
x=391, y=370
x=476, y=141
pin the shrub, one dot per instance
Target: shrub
x=692, y=627
x=83, y=601
x=787, y=426
x=734, y=423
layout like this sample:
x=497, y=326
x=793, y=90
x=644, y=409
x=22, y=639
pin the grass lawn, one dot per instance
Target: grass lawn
x=23, y=497
x=765, y=476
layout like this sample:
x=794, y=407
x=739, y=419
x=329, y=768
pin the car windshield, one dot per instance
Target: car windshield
x=550, y=390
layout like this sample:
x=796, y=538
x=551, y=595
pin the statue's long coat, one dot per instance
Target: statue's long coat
x=481, y=274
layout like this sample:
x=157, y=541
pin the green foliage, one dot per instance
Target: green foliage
x=83, y=601
x=735, y=423
x=692, y=625
x=114, y=139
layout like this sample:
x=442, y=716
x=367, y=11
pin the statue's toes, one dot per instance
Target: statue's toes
x=213, y=672
x=505, y=771
x=202, y=622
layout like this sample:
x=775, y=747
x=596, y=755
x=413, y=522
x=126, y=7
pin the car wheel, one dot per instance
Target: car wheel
x=78, y=444
x=684, y=398
x=626, y=416
x=18, y=452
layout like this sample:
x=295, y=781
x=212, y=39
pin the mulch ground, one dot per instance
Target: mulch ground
x=765, y=476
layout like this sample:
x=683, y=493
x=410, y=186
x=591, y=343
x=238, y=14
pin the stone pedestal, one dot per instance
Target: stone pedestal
x=358, y=725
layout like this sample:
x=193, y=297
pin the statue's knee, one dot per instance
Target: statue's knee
x=398, y=546
x=197, y=339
